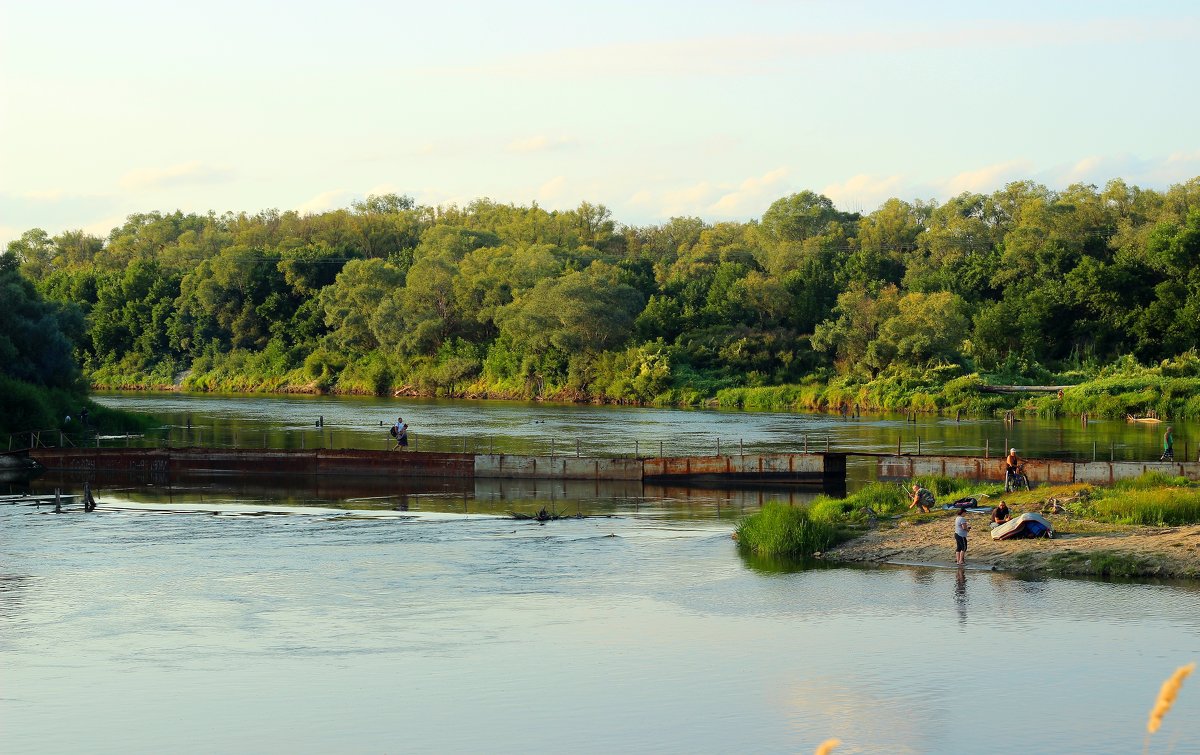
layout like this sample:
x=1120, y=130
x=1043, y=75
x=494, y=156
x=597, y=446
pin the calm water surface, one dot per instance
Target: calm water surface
x=256, y=619
x=538, y=428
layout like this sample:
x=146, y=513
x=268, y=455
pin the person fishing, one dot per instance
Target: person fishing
x=921, y=498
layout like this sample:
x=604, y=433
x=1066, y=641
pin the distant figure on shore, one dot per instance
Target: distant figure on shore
x=922, y=499
x=399, y=431
x=1168, y=453
x=961, y=528
x=1001, y=514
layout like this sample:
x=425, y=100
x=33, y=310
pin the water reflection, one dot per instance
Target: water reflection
x=960, y=595
x=542, y=428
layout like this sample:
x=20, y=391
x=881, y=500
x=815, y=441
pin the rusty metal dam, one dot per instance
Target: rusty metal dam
x=826, y=469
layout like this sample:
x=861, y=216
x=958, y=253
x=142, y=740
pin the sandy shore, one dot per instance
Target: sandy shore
x=1116, y=550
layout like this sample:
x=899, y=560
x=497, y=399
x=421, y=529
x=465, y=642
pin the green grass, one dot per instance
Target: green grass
x=783, y=530
x=1103, y=564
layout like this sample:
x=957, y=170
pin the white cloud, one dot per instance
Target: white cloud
x=687, y=200
x=985, y=179
x=864, y=192
x=105, y=226
x=552, y=191
x=752, y=196
x=184, y=174
x=734, y=54
x=540, y=143
x=326, y=200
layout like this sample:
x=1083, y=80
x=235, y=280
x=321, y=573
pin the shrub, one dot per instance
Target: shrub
x=779, y=529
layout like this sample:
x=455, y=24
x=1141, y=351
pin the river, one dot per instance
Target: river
x=241, y=618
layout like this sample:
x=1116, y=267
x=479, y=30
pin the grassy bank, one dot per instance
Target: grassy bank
x=1142, y=527
x=1171, y=389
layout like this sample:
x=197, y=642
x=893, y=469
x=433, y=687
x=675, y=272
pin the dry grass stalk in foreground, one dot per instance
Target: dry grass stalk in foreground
x=1166, y=696
x=827, y=746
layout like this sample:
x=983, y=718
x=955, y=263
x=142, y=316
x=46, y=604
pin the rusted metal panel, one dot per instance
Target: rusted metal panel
x=744, y=467
x=895, y=467
x=503, y=466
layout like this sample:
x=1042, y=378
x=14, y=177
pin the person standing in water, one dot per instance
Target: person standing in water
x=1168, y=453
x=961, y=527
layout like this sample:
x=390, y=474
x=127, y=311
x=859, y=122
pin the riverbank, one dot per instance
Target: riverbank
x=1144, y=527
x=1081, y=548
x=1170, y=390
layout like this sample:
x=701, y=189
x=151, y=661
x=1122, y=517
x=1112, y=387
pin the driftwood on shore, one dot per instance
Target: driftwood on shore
x=1023, y=388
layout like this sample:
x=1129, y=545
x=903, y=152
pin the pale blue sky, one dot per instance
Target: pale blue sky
x=654, y=108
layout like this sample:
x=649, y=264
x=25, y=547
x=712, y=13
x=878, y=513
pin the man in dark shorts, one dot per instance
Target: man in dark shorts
x=961, y=527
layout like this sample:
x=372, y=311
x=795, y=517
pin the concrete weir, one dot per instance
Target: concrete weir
x=1051, y=471
x=179, y=463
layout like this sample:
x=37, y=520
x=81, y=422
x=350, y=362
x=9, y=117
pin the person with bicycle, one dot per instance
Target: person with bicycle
x=1013, y=466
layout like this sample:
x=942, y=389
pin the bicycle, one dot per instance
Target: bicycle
x=1016, y=480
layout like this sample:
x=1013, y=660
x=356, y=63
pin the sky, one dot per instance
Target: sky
x=656, y=108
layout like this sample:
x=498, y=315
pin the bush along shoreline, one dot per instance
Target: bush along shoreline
x=1170, y=390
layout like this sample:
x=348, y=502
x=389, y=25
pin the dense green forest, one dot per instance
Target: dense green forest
x=39, y=381
x=908, y=307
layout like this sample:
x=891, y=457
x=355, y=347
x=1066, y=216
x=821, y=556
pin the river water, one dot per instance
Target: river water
x=245, y=617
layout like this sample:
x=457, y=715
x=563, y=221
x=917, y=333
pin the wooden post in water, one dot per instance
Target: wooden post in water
x=660, y=451
x=1112, y=451
x=918, y=445
x=987, y=447
x=577, y=447
x=826, y=444
x=806, y=443
x=552, y=446
x=742, y=448
x=636, y=453
x=718, y=445
x=1093, y=450
x=897, y=444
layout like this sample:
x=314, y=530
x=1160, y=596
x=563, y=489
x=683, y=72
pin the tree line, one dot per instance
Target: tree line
x=518, y=301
